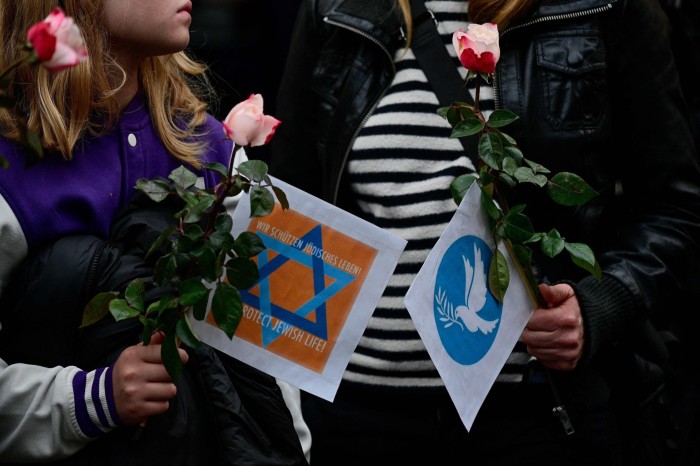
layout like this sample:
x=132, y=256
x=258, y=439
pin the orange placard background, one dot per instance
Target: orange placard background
x=291, y=286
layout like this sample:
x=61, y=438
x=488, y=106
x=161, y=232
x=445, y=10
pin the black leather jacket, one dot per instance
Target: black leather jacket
x=594, y=84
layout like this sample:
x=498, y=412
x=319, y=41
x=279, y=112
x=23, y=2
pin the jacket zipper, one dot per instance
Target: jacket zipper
x=542, y=19
x=372, y=108
x=559, y=409
x=92, y=272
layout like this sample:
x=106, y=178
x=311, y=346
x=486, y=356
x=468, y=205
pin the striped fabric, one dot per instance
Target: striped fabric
x=95, y=410
x=400, y=169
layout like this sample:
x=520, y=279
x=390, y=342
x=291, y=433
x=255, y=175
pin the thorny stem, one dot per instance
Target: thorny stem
x=221, y=195
x=524, y=270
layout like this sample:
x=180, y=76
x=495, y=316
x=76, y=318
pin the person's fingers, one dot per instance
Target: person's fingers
x=152, y=352
x=184, y=357
x=556, y=294
x=136, y=412
x=157, y=338
x=153, y=392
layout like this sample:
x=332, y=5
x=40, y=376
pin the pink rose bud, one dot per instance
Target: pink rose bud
x=477, y=48
x=57, y=41
x=246, y=125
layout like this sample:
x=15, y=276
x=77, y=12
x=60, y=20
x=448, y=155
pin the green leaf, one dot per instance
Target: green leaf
x=582, y=255
x=134, y=294
x=242, y=272
x=227, y=308
x=592, y=269
x=491, y=150
x=183, y=178
x=248, y=244
x=185, y=244
x=517, y=227
x=485, y=176
x=523, y=255
x=281, y=197
x=192, y=291
x=153, y=308
x=217, y=168
x=510, y=141
x=518, y=208
x=235, y=189
x=499, y=276
x=254, y=170
x=537, y=237
x=206, y=263
x=120, y=310
x=171, y=357
x=223, y=222
x=199, y=209
x=467, y=127
x=569, y=189
x=512, y=152
x=552, y=243
x=149, y=326
x=160, y=241
x=184, y=332
x=168, y=317
x=199, y=310
x=97, y=308
x=501, y=117
x=164, y=270
x=156, y=190
x=509, y=166
x=536, y=167
x=582, y=252
x=261, y=201
x=507, y=179
x=490, y=207
x=460, y=186
x=460, y=111
x=221, y=240
x=527, y=175
x=193, y=231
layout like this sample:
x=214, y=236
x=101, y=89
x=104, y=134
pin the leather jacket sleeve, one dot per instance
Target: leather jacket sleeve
x=655, y=245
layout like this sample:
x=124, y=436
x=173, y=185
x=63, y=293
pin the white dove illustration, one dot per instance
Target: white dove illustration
x=475, y=296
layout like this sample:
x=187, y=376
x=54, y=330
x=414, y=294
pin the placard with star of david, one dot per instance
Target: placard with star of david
x=321, y=275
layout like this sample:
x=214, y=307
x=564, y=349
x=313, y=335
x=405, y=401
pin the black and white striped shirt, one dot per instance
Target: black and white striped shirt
x=400, y=170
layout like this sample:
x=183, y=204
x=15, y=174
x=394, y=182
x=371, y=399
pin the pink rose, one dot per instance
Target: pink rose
x=477, y=48
x=246, y=125
x=57, y=41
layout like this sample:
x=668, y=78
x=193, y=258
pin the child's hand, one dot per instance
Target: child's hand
x=142, y=386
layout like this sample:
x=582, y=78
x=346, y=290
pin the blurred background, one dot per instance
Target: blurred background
x=244, y=43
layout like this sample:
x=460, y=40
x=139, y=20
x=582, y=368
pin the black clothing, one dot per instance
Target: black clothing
x=597, y=93
x=225, y=412
x=595, y=97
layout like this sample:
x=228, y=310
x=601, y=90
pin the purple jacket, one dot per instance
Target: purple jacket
x=56, y=197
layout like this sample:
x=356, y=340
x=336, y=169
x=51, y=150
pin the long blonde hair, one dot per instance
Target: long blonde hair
x=63, y=107
x=500, y=12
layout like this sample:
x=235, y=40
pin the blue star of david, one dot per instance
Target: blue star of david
x=322, y=294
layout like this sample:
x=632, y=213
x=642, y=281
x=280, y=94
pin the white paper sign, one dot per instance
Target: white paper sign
x=467, y=332
x=321, y=277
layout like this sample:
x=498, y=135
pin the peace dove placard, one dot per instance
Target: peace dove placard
x=467, y=332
